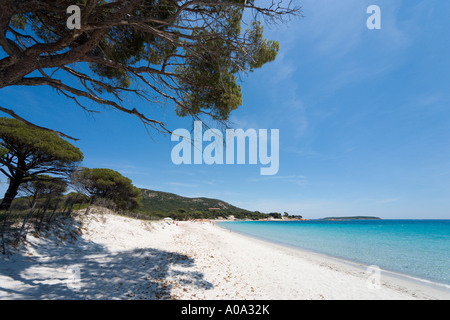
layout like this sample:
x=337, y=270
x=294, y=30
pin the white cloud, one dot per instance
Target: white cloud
x=182, y=184
x=295, y=179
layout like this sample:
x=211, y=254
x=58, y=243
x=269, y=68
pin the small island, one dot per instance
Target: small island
x=351, y=218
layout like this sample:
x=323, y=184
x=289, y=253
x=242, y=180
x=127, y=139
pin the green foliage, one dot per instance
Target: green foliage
x=108, y=184
x=27, y=151
x=262, y=51
x=3, y=151
x=164, y=204
x=275, y=215
x=42, y=186
x=190, y=54
x=43, y=146
x=129, y=198
x=19, y=21
x=209, y=71
x=128, y=45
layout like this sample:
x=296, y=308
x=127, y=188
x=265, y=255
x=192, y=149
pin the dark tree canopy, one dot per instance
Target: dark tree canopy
x=29, y=152
x=189, y=54
x=42, y=185
x=107, y=184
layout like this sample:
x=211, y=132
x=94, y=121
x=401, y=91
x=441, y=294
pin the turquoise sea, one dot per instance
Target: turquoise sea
x=417, y=248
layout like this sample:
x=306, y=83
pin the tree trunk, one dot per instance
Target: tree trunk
x=25, y=220
x=11, y=193
x=91, y=201
x=71, y=205
x=3, y=232
x=43, y=213
x=54, y=210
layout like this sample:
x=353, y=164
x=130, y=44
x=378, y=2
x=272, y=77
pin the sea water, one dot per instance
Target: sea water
x=418, y=248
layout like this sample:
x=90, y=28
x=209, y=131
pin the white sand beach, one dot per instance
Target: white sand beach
x=106, y=256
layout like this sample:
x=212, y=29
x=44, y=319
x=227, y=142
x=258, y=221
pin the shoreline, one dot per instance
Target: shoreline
x=107, y=256
x=392, y=276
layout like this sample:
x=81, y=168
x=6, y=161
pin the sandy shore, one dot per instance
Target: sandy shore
x=113, y=257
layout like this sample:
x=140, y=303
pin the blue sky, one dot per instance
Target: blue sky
x=363, y=115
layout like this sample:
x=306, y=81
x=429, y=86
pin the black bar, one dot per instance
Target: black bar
x=221, y=309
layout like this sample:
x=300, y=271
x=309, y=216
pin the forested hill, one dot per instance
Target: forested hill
x=154, y=201
x=176, y=206
x=155, y=205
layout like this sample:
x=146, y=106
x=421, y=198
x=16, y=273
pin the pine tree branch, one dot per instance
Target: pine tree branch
x=14, y=115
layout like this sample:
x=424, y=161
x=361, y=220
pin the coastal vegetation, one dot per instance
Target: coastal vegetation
x=29, y=152
x=163, y=204
x=45, y=181
x=107, y=185
x=190, y=55
x=42, y=201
